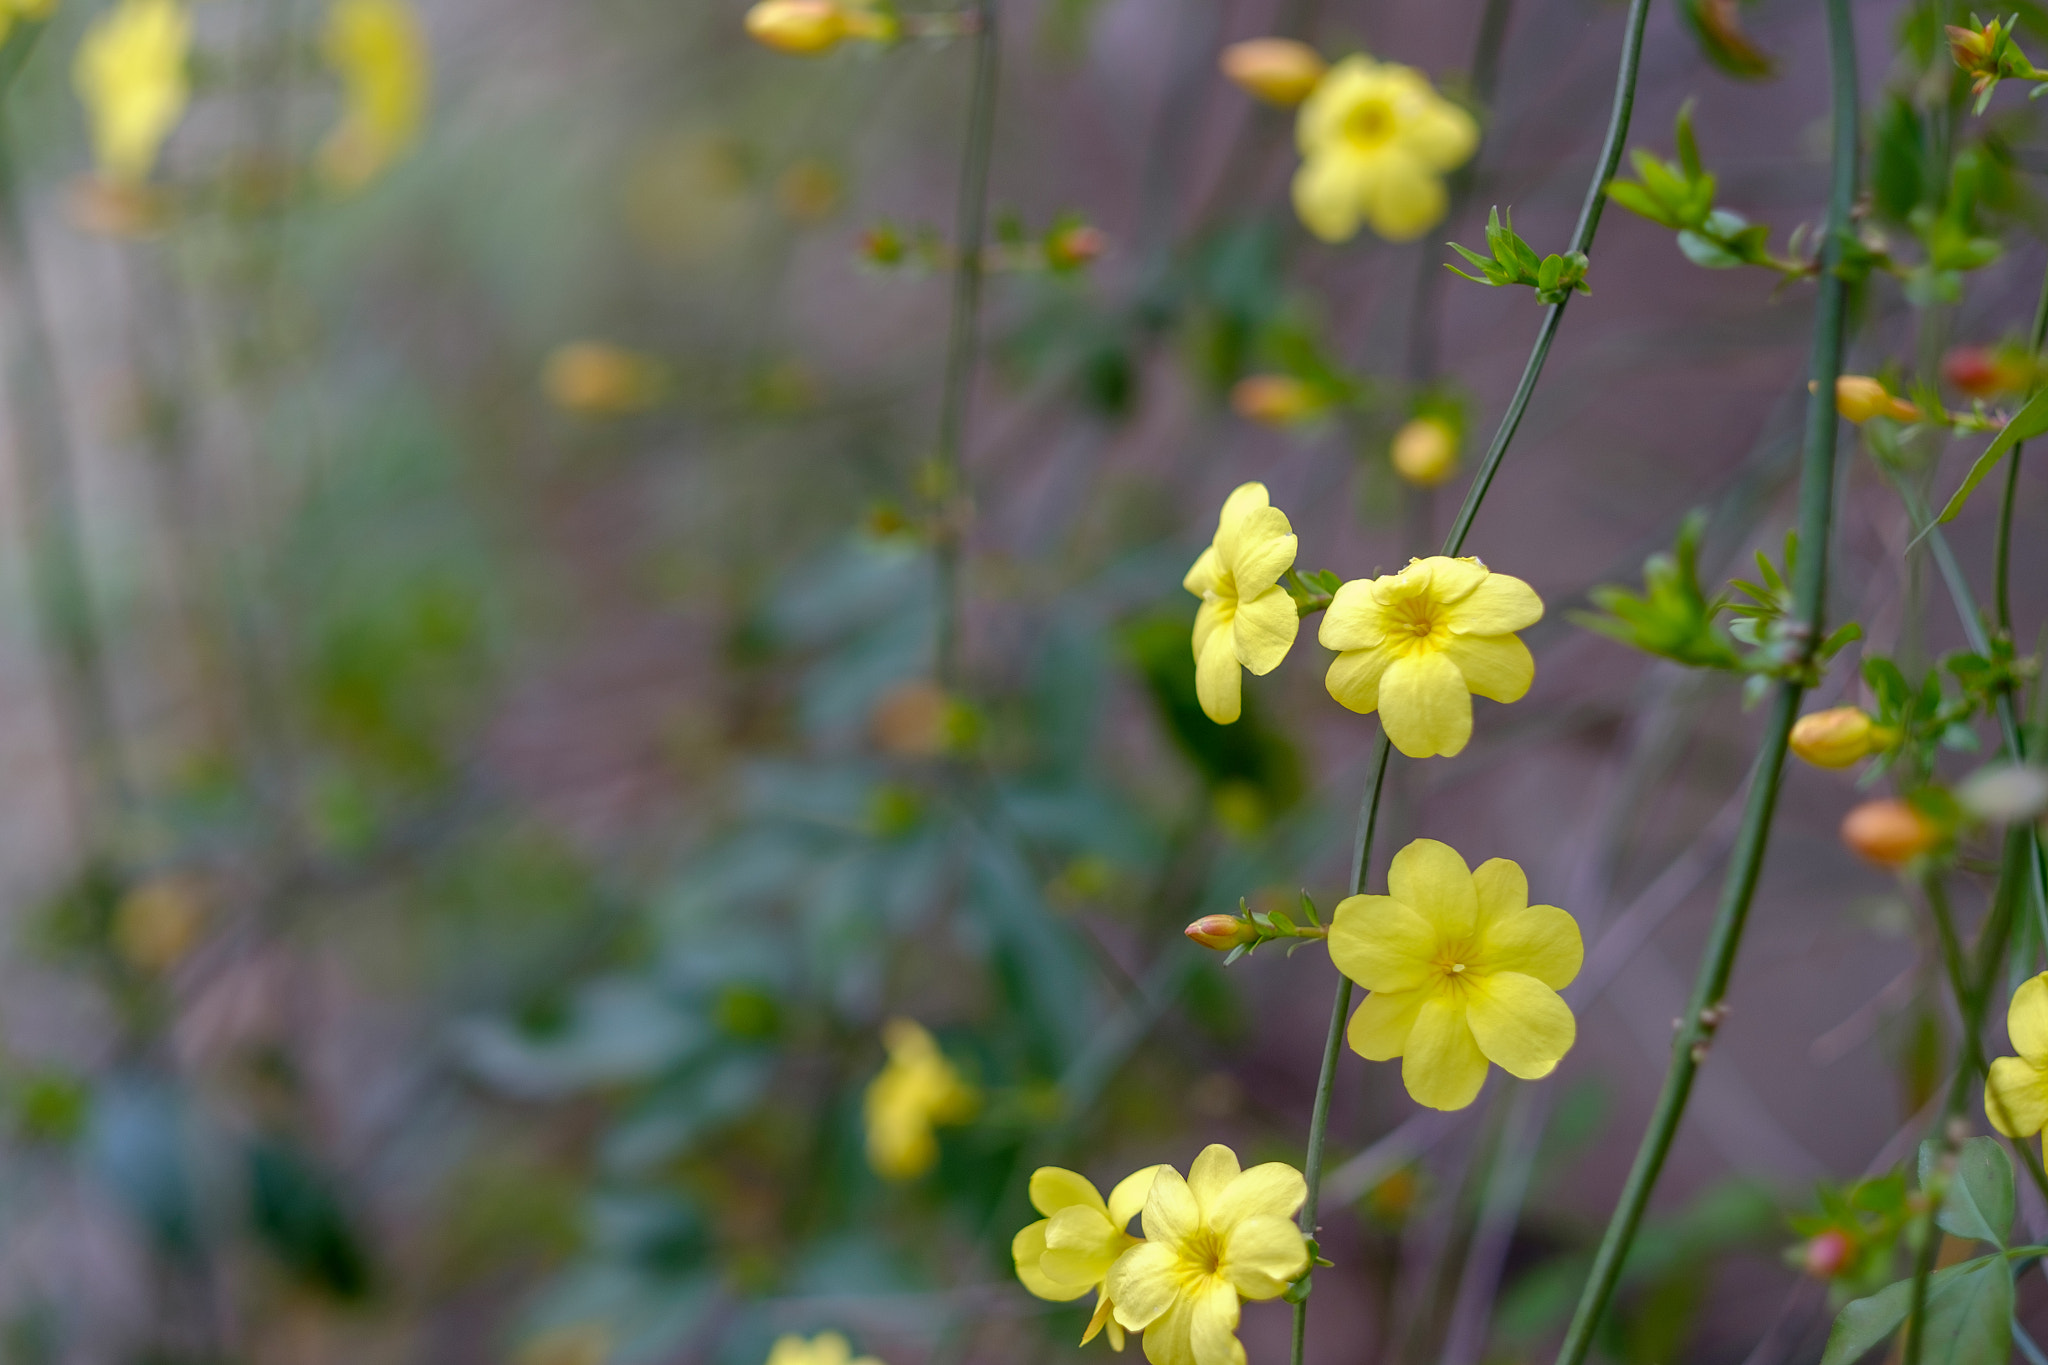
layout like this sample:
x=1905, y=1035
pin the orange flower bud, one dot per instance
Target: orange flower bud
x=1983, y=373
x=1890, y=833
x=1277, y=70
x=1425, y=451
x=1972, y=47
x=1827, y=1254
x=1859, y=398
x=1838, y=737
x=596, y=379
x=803, y=28
x=1276, y=400
x=1221, y=932
x=1069, y=248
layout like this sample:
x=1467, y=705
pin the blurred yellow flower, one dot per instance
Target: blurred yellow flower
x=2016, y=1089
x=826, y=1348
x=916, y=1091
x=1859, y=398
x=597, y=379
x=130, y=72
x=1279, y=71
x=1425, y=451
x=378, y=50
x=1246, y=619
x=1277, y=400
x=808, y=28
x=1839, y=736
x=22, y=11
x=1376, y=140
x=1417, y=645
x=1216, y=1237
x=1463, y=971
x=1070, y=1251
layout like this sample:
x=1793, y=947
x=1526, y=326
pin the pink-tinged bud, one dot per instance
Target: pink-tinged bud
x=1277, y=70
x=1276, y=400
x=1972, y=47
x=1839, y=736
x=1070, y=248
x=1890, y=832
x=1425, y=451
x=1859, y=398
x=1221, y=932
x=1827, y=1254
x=1984, y=373
x=802, y=28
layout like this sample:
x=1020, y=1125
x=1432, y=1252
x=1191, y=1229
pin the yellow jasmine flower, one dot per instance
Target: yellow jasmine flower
x=25, y=11
x=826, y=1348
x=1071, y=1250
x=130, y=71
x=1376, y=140
x=1463, y=971
x=1425, y=451
x=1246, y=619
x=377, y=49
x=916, y=1091
x=1417, y=645
x=2016, y=1089
x=1216, y=1237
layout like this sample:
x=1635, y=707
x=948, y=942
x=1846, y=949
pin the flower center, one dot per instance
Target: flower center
x=1416, y=623
x=1370, y=124
x=1201, y=1255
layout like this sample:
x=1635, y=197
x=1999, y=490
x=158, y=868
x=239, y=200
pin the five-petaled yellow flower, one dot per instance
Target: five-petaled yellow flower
x=2016, y=1091
x=826, y=1348
x=1071, y=1250
x=1376, y=140
x=1463, y=971
x=1246, y=619
x=1220, y=1235
x=1416, y=646
x=376, y=47
x=130, y=71
x=916, y=1091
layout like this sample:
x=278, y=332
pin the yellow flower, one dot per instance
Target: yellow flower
x=1246, y=618
x=1839, y=736
x=1463, y=971
x=1376, y=141
x=25, y=11
x=1859, y=398
x=916, y=1091
x=377, y=49
x=1277, y=70
x=807, y=28
x=597, y=379
x=1425, y=451
x=1218, y=1236
x=130, y=71
x=1071, y=1250
x=2016, y=1089
x=1417, y=645
x=826, y=1348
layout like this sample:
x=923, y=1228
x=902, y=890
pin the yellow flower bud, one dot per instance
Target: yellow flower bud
x=802, y=27
x=1838, y=737
x=1859, y=398
x=1277, y=70
x=1890, y=832
x=1221, y=932
x=1425, y=451
x=595, y=379
x=1276, y=400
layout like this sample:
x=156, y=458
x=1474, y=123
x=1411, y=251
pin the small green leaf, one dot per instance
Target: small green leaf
x=1979, y=1202
x=1969, y=1314
x=2029, y=422
x=1864, y=1323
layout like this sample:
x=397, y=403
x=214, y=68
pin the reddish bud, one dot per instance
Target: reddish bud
x=1221, y=932
x=1827, y=1254
x=1890, y=832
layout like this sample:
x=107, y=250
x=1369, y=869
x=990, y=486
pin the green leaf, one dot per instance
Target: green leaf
x=2030, y=421
x=1864, y=1323
x=1714, y=24
x=1688, y=145
x=1636, y=199
x=1969, y=1313
x=1979, y=1201
x=1703, y=250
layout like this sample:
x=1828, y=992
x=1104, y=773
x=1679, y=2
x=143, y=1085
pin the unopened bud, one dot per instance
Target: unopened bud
x=1276, y=400
x=1071, y=247
x=1425, y=451
x=1984, y=373
x=1859, y=398
x=597, y=379
x=803, y=28
x=1890, y=832
x=1839, y=736
x=1827, y=1254
x=1277, y=70
x=1972, y=47
x=1221, y=932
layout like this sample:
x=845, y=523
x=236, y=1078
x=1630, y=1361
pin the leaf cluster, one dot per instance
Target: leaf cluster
x=1872, y=1215
x=1269, y=925
x=1928, y=716
x=1680, y=195
x=1514, y=261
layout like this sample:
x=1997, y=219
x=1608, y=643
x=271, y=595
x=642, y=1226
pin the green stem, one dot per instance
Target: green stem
x=2002, y=592
x=1816, y=511
x=963, y=344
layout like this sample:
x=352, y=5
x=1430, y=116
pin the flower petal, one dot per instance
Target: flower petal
x=1167, y=1340
x=1329, y=105
x=1211, y=1174
x=1027, y=1249
x=1272, y=1188
x=1497, y=606
x=1128, y=1198
x=1497, y=667
x=1143, y=1284
x=1424, y=706
x=2016, y=1097
x=1264, y=1254
x=1541, y=941
x=1502, y=887
x=1430, y=878
x=1450, y=580
x=1382, y=943
x=1261, y=549
x=1439, y=132
x=1519, y=1023
x=1443, y=1067
x=1213, y=1327
x=1202, y=574
x=1219, y=682
x=1210, y=615
x=1329, y=193
x=1080, y=1246
x=2026, y=1020
x=1054, y=1188
x=1264, y=630
x=1244, y=500
x=1405, y=198
x=1171, y=1213
x=1381, y=1024
x=1354, y=678
x=1354, y=619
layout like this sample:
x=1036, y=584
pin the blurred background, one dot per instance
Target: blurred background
x=476, y=790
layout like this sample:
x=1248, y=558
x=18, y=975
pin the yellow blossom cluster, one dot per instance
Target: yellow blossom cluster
x=1217, y=1237
x=917, y=1091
